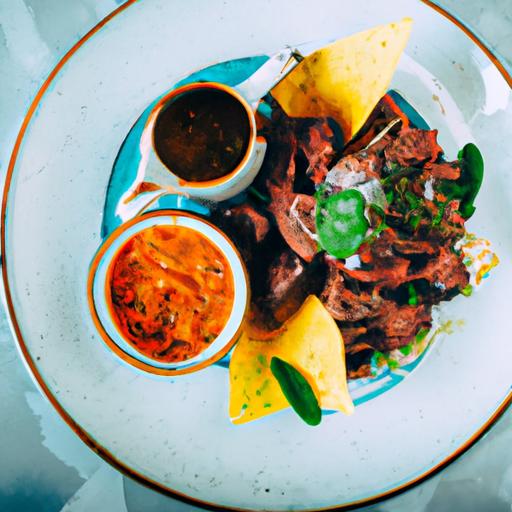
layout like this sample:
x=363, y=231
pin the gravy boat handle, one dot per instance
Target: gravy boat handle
x=274, y=70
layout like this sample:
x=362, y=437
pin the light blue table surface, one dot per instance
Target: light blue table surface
x=44, y=467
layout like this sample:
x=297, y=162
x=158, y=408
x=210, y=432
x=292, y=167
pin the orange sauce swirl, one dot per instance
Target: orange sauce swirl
x=170, y=292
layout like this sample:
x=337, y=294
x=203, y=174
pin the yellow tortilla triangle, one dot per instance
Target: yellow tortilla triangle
x=312, y=343
x=345, y=79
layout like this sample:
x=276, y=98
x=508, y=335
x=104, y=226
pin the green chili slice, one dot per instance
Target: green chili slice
x=340, y=222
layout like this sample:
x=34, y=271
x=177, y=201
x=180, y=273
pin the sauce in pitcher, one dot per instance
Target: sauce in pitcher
x=202, y=134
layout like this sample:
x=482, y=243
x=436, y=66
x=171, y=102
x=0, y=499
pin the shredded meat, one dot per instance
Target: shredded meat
x=284, y=273
x=414, y=147
x=443, y=170
x=247, y=219
x=343, y=304
x=358, y=360
x=413, y=247
x=294, y=214
x=381, y=302
x=317, y=147
x=247, y=227
x=354, y=169
x=399, y=321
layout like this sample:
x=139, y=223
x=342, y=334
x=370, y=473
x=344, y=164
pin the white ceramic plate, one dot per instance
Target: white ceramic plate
x=175, y=433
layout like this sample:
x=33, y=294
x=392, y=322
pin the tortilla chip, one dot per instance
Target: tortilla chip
x=312, y=343
x=345, y=79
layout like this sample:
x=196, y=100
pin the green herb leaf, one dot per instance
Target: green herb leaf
x=413, y=200
x=472, y=176
x=422, y=334
x=381, y=226
x=399, y=174
x=414, y=221
x=340, y=222
x=378, y=210
x=258, y=195
x=393, y=365
x=467, y=290
x=406, y=349
x=297, y=391
x=439, y=215
x=413, y=296
x=467, y=186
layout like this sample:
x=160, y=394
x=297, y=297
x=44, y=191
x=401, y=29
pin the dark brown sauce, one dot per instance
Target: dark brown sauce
x=202, y=134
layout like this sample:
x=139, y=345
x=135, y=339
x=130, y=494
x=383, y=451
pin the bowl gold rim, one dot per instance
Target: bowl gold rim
x=127, y=358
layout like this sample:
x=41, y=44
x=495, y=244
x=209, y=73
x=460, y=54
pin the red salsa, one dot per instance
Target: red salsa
x=171, y=292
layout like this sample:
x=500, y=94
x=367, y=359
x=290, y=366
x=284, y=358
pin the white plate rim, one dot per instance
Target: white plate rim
x=86, y=437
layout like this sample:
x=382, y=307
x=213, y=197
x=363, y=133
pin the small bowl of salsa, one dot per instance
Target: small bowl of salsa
x=168, y=292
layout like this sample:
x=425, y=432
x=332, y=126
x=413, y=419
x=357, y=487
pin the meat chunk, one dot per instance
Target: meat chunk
x=409, y=247
x=247, y=227
x=284, y=274
x=343, y=304
x=443, y=170
x=447, y=269
x=394, y=327
x=444, y=267
x=350, y=333
x=295, y=218
x=290, y=281
x=317, y=145
x=279, y=164
x=247, y=219
x=414, y=147
x=358, y=357
x=399, y=321
x=354, y=169
x=386, y=344
x=385, y=273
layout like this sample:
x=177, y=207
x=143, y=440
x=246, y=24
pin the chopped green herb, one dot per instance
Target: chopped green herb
x=393, y=365
x=258, y=195
x=406, y=350
x=378, y=210
x=422, y=334
x=402, y=186
x=265, y=385
x=467, y=290
x=414, y=221
x=297, y=391
x=262, y=360
x=413, y=200
x=381, y=226
x=413, y=296
x=379, y=358
x=438, y=217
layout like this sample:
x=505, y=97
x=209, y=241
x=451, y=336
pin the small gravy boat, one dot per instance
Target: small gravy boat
x=155, y=177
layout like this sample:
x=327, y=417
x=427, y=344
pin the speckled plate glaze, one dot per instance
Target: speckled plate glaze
x=174, y=434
